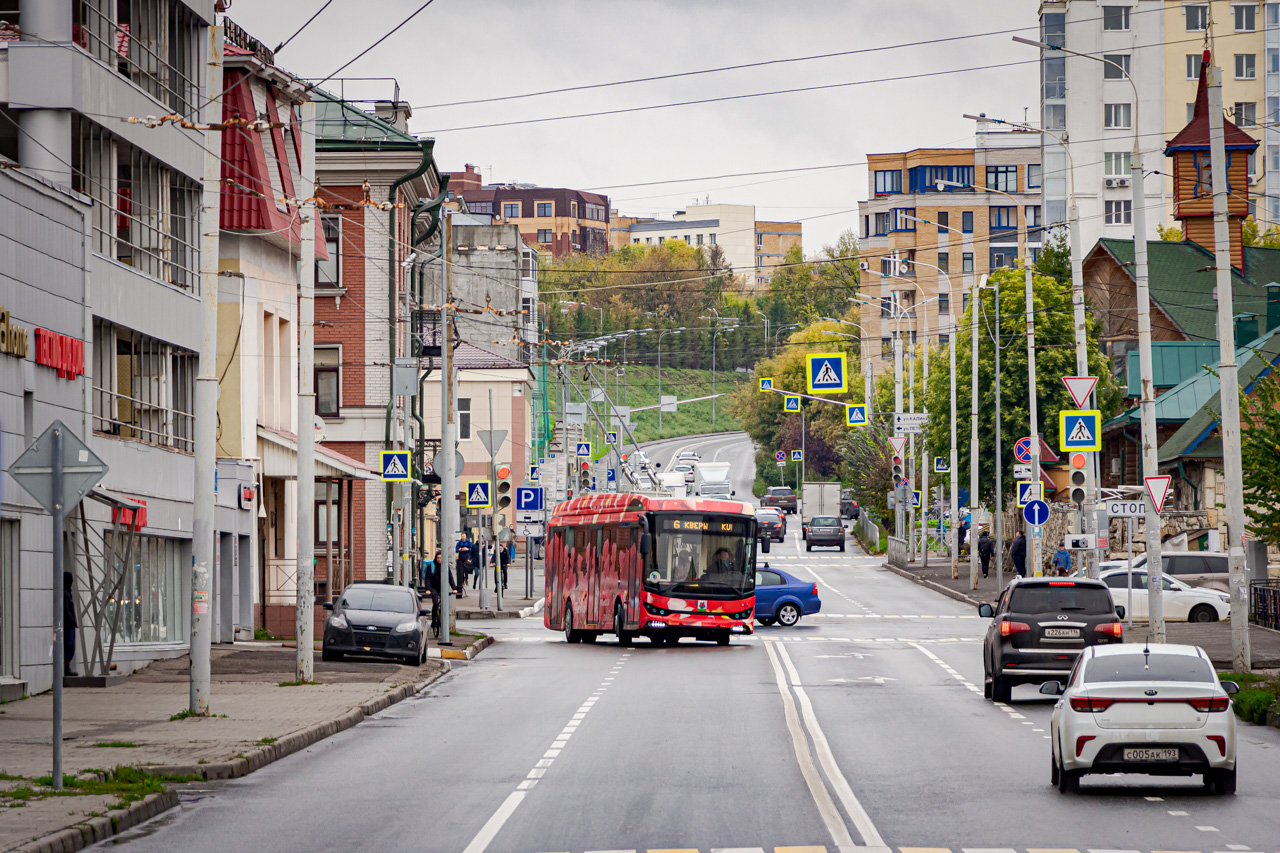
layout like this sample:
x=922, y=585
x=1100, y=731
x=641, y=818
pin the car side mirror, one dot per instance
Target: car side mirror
x=1051, y=688
x=1120, y=610
x=986, y=611
x=328, y=605
x=1231, y=687
x=733, y=493
x=424, y=611
x=764, y=545
x=646, y=543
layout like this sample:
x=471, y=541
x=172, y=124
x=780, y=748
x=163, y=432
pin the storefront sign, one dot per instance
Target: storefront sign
x=13, y=339
x=247, y=494
x=63, y=354
x=131, y=518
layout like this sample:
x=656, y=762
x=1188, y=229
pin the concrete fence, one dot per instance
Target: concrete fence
x=897, y=552
x=869, y=531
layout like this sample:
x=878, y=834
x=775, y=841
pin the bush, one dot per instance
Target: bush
x=1251, y=705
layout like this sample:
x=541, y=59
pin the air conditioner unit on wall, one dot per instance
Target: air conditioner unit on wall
x=1117, y=182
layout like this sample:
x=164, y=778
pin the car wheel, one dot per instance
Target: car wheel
x=619, y=620
x=788, y=615
x=986, y=684
x=327, y=655
x=841, y=547
x=1068, y=781
x=570, y=635
x=1001, y=689
x=722, y=639
x=1221, y=782
x=1053, y=768
x=765, y=620
x=808, y=546
x=1202, y=613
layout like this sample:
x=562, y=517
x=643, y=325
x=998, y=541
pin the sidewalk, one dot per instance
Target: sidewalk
x=1213, y=637
x=256, y=721
x=514, y=603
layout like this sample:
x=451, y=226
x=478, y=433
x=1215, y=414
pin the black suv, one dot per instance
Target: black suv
x=1040, y=626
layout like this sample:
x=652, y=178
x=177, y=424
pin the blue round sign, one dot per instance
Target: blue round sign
x=1036, y=512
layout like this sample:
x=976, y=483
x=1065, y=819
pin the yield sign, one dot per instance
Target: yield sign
x=1158, y=488
x=899, y=444
x=1080, y=387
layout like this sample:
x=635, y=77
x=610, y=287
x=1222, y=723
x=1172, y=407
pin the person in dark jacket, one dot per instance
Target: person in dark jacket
x=1019, y=554
x=69, y=625
x=985, y=549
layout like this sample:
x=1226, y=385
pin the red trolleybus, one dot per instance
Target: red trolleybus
x=645, y=565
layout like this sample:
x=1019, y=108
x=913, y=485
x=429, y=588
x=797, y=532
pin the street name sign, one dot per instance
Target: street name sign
x=790, y=404
x=855, y=415
x=1158, y=489
x=395, y=466
x=911, y=423
x=1036, y=512
x=1022, y=450
x=1079, y=429
x=1126, y=508
x=825, y=373
x=1080, y=387
x=476, y=493
x=766, y=384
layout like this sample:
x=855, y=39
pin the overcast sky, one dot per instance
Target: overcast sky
x=459, y=50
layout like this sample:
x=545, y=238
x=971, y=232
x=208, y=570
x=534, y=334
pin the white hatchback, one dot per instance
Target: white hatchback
x=1158, y=710
x=1182, y=602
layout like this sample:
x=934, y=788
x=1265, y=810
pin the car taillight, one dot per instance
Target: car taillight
x=1081, y=741
x=1007, y=628
x=1220, y=741
x=1210, y=703
x=1090, y=704
x=1112, y=629
x=815, y=589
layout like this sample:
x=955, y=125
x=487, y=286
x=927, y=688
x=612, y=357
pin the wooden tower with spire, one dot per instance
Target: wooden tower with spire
x=1192, y=188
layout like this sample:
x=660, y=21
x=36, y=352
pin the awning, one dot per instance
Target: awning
x=278, y=451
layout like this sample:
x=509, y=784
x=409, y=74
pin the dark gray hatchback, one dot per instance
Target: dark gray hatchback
x=376, y=619
x=823, y=530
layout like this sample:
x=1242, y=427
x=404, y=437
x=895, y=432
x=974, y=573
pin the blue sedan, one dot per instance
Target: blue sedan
x=783, y=598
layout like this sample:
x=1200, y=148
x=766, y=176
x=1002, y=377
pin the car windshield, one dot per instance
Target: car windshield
x=1156, y=667
x=389, y=600
x=825, y=521
x=704, y=555
x=768, y=515
x=780, y=492
x=1042, y=598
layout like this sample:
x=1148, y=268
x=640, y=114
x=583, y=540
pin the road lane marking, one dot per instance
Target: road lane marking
x=800, y=744
x=861, y=820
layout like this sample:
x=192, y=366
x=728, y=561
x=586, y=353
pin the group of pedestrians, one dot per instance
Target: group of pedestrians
x=1018, y=554
x=468, y=562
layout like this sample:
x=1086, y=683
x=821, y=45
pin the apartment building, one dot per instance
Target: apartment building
x=925, y=243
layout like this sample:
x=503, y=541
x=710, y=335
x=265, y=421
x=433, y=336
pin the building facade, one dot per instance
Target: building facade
x=924, y=245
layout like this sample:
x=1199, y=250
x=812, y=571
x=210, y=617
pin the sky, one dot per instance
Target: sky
x=464, y=50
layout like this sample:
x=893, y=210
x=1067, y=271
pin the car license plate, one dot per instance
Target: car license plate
x=1062, y=632
x=1149, y=754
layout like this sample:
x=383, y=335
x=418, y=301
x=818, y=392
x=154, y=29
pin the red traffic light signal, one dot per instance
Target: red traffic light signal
x=897, y=460
x=1079, y=461
x=504, y=471
x=586, y=466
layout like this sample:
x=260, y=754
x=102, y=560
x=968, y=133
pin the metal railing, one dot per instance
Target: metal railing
x=158, y=48
x=1264, y=603
x=139, y=420
x=897, y=552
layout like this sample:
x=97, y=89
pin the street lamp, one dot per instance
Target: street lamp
x=730, y=325
x=661, y=335
x=764, y=317
x=623, y=370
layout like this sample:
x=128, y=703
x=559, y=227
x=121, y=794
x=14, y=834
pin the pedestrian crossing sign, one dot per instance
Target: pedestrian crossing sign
x=855, y=415
x=790, y=404
x=826, y=374
x=1029, y=491
x=533, y=474
x=941, y=465
x=915, y=499
x=611, y=437
x=797, y=456
x=395, y=466
x=766, y=384
x=476, y=493
x=584, y=448
x=1079, y=429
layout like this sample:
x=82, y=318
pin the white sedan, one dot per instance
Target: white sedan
x=1158, y=710
x=1182, y=602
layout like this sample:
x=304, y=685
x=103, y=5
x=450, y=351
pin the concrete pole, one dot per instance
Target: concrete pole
x=973, y=435
x=304, y=625
x=897, y=407
x=999, y=519
x=448, y=467
x=926, y=460
x=493, y=514
x=59, y=618
x=1033, y=415
x=912, y=459
x=206, y=402
x=954, y=458
x=1232, y=467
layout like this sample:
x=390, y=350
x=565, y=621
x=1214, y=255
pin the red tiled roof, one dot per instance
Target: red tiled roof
x=1196, y=133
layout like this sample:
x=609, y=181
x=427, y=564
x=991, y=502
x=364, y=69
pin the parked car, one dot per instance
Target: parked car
x=771, y=523
x=1207, y=569
x=825, y=530
x=1158, y=710
x=1182, y=603
x=1040, y=626
x=784, y=598
x=781, y=497
x=376, y=619
x=848, y=506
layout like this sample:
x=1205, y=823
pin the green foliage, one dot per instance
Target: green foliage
x=1172, y=233
x=1055, y=358
x=1055, y=257
x=1260, y=453
x=1251, y=704
x=1256, y=235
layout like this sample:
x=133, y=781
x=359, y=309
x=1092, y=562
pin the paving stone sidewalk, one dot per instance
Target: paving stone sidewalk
x=256, y=721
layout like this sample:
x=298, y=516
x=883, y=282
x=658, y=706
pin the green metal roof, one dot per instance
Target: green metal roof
x=1173, y=362
x=1179, y=403
x=344, y=126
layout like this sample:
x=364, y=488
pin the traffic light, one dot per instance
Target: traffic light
x=503, y=484
x=899, y=474
x=1078, y=462
x=584, y=477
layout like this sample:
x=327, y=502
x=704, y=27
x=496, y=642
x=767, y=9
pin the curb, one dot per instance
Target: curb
x=936, y=587
x=526, y=612
x=99, y=829
x=468, y=653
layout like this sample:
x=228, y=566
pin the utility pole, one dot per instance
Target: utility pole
x=925, y=460
x=897, y=407
x=1232, y=467
x=448, y=452
x=304, y=625
x=1036, y=567
x=999, y=454
x=206, y=402
x=973, y=438
x=955, y=452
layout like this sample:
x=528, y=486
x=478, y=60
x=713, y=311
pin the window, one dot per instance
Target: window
x=485, y=207
x=1117, y=163
x=1191, y=112
x=1193, y=66
x=944, y=340
x=143, y=388
x=1246, y=68
x=1273, y=60
x=1115, y=66
x=688, y=241
x=1273, y=14
x=699, y=239
x=148, y=608
x=661, y=240
x=1119, y=213
x=1032, y=213
x=1115, y=17
x=1246, y=114
x=1055, y=76
x=944, y=303
x=1245, y=18
x=329, y=272
x=1116, y=115
x=327, y=524
x=966, y=262
x=759, y=241
x=1034, y=175
x=966, y=221
x=886, y=302
x=1055, y=116
x=544, y=208
x=511, y=210
x=544, y=235
x=1003, y=256
x=886, y=347
x=964, y=302
x=635, y=240
x=866, y=226
x=464, y=418
x=1197, y=18
x=759, y=262
x=712, y=238
x=888, y=181
x=1003, y=178
x=573, y=210
x=573, y=238
x=648, y=241
x=944, y=261
x=1273, y=157
x=882, y=224
x=904, y=219
x=1004, y=220
x=944, y=221
x=596, y=212
x=328, y=381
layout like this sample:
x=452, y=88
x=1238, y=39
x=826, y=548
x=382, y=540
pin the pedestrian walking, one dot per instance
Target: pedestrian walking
x=505, y=559
x=964, y=533
x=69, y=625
x=1019, y=554
x=986, y=548
x=466, y=551
x=1062, y=560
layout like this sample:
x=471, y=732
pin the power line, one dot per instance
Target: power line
x=285, y=43
x=359, y=55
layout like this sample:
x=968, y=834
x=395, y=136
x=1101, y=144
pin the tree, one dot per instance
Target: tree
x=1255, y=235
x=1055, y=358
x=1171, y=233
x=1055, y=257
x=1260, y=453
x=866, y=451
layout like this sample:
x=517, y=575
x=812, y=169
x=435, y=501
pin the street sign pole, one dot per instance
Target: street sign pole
x=59, y=664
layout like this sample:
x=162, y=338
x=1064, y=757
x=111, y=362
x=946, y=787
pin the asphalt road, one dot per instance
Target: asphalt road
x=863, y=726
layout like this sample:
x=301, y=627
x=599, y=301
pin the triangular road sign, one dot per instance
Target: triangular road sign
x=1158, y=488
x=898, y=443
x=1080, y=387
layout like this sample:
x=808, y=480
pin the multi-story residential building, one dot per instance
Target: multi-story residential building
x=987, y=217
x=752, y=248
x=556, y=220
x=1156, y=44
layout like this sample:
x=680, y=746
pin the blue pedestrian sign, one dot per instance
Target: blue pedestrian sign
x=1029, y=491
x=528, y=500
x=915, y=499
x=825, y=373
x=941, y=465
x=766, y=384
x=781, y=456
x=797, y=455
x=584, y=449
x=790, y=404
x=533, y=474
x=1036, y=512
x=855, y=415
x=476, y=493
x=395, y=466
x=611, y=437
x=1079, y=429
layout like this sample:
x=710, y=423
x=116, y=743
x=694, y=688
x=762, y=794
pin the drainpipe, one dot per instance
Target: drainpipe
x=1195, y=493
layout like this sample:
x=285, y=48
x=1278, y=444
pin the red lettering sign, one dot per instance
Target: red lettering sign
x=63, y=354
x=130, y=518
